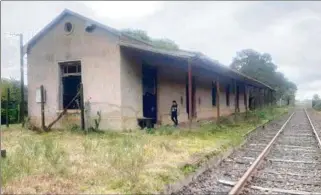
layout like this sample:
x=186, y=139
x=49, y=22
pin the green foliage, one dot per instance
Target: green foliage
x=260, y=66
x=187, y=169
x=15, y=98
x=32, y=156
x=143, y=36
x=317, y=106
x=118, y=162
x=316, y=102
x=163, y=130
x=138, y=34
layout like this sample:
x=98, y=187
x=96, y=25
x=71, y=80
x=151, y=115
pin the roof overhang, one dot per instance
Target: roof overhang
x=201, y=60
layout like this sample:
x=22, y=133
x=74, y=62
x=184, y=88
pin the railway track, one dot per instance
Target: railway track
x=284, y=158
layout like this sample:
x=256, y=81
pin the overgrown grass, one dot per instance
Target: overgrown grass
x=138, y=162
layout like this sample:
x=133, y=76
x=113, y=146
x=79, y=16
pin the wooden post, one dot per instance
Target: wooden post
x=235, y=97
x=218, y=99
x=82, y=109
x=7, y=107
x=245, y=98
x=42, y=99
x=266, y=102
x=262, y=97
x=190, y=109
x=270, y=97
x=22, y=103
x=259, y=97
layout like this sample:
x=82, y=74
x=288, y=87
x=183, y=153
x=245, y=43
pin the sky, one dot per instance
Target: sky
x=289, y=31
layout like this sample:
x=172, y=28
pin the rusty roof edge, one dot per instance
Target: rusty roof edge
x=206, y=58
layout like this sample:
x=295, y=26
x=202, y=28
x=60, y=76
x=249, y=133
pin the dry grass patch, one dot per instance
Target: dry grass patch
x=137, y=162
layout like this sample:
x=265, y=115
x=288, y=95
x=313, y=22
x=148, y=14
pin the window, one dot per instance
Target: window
x=71, y=68
x=213, y=94
x=227, y=92
x=68, y=27
x=69, y=84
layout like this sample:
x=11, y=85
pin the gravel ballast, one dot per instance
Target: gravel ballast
x=233, y=167
x=293, y=165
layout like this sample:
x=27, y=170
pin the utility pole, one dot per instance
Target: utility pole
x=22, y=103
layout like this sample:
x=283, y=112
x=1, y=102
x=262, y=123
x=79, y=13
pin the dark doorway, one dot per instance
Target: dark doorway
x=70, y=83
x=149, y=92
x=193, y=96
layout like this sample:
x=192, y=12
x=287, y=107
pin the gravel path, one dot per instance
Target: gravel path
x=294, y=162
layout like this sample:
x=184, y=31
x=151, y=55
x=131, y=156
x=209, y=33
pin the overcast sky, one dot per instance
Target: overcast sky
x=289, y=31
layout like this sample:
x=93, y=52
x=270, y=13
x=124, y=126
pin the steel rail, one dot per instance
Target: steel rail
x=314, y=130
x=242, y=181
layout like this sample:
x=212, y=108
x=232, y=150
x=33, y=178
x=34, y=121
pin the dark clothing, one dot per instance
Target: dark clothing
x=174, y=114
x=174, y=109
x=174, y=119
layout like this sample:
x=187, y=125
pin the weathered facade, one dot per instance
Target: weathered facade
x=115, y=73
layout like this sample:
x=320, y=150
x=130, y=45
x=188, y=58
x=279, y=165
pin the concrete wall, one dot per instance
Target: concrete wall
x=203, y=95
x=131, y=90
x=112, y=80
x=171, y=82
x=171, y=86
x=100, y=61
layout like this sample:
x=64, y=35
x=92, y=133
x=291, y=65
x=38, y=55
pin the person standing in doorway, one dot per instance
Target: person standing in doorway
x=174, y=109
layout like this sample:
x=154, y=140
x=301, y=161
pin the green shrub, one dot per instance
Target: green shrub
x=317, y=106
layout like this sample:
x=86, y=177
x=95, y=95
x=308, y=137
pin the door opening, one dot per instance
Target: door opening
x=149, y=92
x=70, y=83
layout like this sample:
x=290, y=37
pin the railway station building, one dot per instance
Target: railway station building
x=125, y=79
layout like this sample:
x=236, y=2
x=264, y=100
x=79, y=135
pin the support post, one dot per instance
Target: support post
x=245, y=98
x=22, y=103
x=263, y=100
x=190, y=114
x=235, y=97
x=260, y=98
x=82, y=110
x=42, y=94
x=257, y=98
x=217, y=99
x=7, y=107
x=270, y=97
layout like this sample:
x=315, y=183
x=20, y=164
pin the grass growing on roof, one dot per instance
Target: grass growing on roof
x=111, y=162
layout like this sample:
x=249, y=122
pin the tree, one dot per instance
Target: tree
x=143, y=36
x=316, y=100
x=138, y=34
x=165, y=44
x=261, y=67
x=15, y=98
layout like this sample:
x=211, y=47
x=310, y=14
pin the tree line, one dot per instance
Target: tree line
x=316, y=102
x=13, y=105
x=260, y=66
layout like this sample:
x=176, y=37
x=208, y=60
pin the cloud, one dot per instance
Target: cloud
x=289, y=31
x=124, y=9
